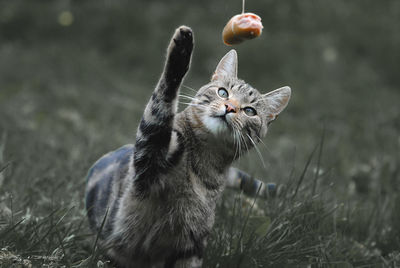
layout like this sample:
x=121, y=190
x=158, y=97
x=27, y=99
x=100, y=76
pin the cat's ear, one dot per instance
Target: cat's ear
x=227, y=66
x=277, y=100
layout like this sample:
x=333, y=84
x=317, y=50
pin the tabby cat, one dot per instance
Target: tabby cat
x=153, y=203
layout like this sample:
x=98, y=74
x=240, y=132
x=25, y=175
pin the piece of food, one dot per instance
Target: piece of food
x=242, y=27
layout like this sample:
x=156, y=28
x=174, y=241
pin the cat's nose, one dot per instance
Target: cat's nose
x=229, y=108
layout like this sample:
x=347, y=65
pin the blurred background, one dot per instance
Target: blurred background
x=75, y=77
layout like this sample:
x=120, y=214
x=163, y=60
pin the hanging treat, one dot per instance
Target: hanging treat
x=242, y=27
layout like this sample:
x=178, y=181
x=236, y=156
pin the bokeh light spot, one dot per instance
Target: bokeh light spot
x=329, y=54
x=65, y=18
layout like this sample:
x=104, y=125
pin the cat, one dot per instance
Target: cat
x=152, y=204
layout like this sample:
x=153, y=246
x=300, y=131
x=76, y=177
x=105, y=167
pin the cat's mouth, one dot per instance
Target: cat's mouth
x=222, y=118
x=217, y=124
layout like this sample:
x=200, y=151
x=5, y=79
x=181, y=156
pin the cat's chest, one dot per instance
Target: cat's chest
x=181, y=213
x=188, y=200
x=200, y=186
x=182, y=218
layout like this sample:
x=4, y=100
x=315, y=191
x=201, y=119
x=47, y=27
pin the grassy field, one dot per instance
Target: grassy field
x=74, y=79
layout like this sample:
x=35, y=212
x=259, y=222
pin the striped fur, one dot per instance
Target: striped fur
x=153, y=203
x=240, y=180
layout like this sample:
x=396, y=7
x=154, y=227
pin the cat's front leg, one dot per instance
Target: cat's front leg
x=155, y=135
x=178, y=60
x=240, y=180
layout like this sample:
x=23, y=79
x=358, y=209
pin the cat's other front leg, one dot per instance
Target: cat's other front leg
x=240, y=180
x=155, y=134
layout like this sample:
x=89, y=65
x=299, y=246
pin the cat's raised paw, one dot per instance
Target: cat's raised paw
x=179, y=54
x=183, y=40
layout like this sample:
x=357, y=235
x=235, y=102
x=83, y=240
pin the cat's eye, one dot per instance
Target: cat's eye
x=223, y=93
x=250, y=111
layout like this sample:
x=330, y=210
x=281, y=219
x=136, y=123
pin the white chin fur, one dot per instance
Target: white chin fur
x=215, y=125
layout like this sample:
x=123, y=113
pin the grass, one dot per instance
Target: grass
x=69, y=94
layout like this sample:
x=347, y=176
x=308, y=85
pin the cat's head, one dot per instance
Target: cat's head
x=227, y=106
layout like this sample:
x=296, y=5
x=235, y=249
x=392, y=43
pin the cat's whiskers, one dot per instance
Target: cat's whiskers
x=241, y=141
x=234, y=143
x=192, y=104
x=188, y=97
x=236, y=128
x=258, y=151
x=266, y=147
x=236, y=140
x=185, y=86
x=240, y=144
x=237, y=144
x=244, y=141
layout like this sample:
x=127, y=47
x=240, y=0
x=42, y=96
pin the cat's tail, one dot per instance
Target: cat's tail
x=240, y=180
